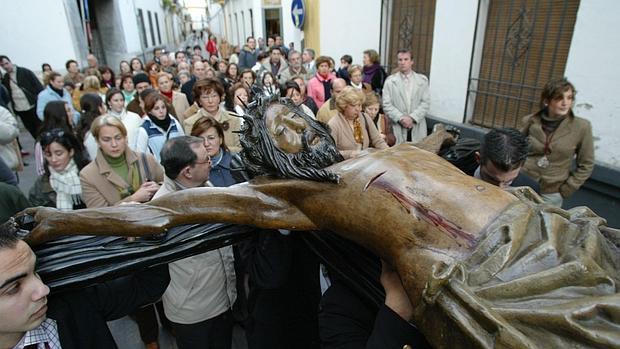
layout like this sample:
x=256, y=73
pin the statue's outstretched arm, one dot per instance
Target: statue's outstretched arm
x=240, y=204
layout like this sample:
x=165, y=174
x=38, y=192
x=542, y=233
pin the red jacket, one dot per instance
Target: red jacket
x=211, y=47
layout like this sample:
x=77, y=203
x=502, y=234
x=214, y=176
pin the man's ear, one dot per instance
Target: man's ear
x=186, y=172
x=477, y=154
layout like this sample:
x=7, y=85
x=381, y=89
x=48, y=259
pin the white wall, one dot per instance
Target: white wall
x=289, y=32
x=349, y=28
x=455, y=23
x=154, y=7
x=34, y=32
x=592, y=67
x=129, y=19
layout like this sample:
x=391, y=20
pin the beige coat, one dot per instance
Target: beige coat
x=571, y=140
x=180, y=105
x=101, y=186
x=396, y=105
x=229, y=123
x=345, y=140
x=327, y=111
x=202, y=286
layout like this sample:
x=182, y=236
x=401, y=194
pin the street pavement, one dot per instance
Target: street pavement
x=124, y=330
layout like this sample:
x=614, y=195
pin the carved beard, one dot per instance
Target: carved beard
x=262, y=157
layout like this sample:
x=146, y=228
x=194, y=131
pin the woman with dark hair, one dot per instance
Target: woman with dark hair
x=57, y=114
x=294, y=93
x=92, y=106
x=374, y=74
x=132, y=121
x=208, y=93
x=158, y=126
x=556, y=137
x=136, y=66
x=152, y=69
x=128, y=88
x=59, y=186
x=107, y=77
x=124, y=68
x=237, y=98
x=54, y=91
x=232, y=74
x=269, y=84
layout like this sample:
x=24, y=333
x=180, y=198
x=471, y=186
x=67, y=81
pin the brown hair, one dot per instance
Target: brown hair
x=373, y=56
x=151, y=99
x=371, y=99
x=555, y=89
x=323, y=59
x=206, y=122
x=207, y=85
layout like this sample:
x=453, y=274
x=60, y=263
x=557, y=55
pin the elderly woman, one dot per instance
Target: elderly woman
x=158, y=126
x=352, y=130
x=59, y=185
x=355, y=78
x=118, y=174
x=208, y=93
x=373, y=72
x=320, y=86
x=557, y=137
x=177, y=99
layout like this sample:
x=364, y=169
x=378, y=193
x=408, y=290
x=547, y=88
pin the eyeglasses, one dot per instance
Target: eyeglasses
x=211, y=97
x=48, y=137
x=206, y=161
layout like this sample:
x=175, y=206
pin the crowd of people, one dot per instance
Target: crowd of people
x=108, y=136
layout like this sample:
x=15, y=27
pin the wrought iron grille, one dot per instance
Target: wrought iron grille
x=526, y=44
x=413, y=22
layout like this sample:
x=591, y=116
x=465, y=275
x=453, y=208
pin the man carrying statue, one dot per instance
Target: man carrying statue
x=482, y=267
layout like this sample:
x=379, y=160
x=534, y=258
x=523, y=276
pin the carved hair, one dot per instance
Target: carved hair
x=262, y=157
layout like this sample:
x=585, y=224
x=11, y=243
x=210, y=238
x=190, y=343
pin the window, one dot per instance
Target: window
x=142, y=27
x=151, y=28
x=158, y=31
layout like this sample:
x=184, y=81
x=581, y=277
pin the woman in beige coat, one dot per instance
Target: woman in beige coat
x=352, y=130
x=177, y=99
x=557, y=137
x=118, y=174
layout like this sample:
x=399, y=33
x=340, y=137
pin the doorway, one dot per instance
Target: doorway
x=273, y=22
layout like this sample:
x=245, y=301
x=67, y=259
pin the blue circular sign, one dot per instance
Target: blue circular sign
x=298, y=13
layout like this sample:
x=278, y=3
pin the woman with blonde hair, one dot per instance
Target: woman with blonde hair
x=352, y=130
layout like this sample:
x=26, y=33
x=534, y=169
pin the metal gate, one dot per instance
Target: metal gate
x=526, y=44
x=413, y=22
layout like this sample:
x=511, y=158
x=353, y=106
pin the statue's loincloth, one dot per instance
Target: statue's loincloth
x=541, y=277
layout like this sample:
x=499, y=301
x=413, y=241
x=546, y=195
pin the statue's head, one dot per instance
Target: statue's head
x=279, y=139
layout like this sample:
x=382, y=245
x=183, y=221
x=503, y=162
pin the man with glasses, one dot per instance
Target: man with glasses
x=202, y=290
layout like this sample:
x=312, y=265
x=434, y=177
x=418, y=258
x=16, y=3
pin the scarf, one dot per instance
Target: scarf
x=357, y=131
x=549, y=125
x=120, y=166
x=66, y=184
x=167, y=95
x=369, y=72
x=60, y=92
x=327, y=88
x=163, y=124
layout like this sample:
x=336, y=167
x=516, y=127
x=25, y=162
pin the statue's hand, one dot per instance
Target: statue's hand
x=36, y=220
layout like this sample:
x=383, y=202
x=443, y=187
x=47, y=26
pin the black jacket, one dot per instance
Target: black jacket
x=81, y=315
x=29, y=83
